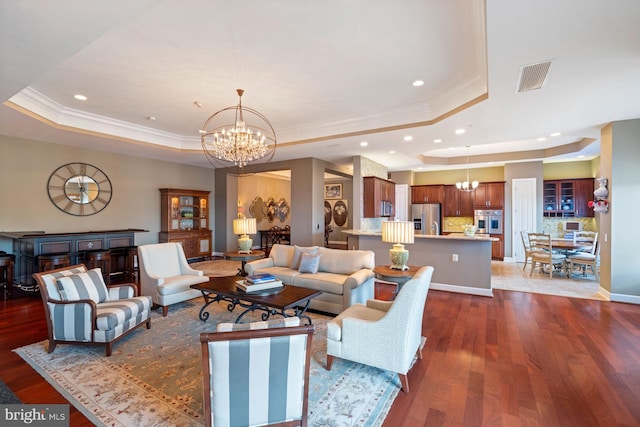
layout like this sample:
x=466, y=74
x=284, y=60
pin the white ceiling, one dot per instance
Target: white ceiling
x=327, y=74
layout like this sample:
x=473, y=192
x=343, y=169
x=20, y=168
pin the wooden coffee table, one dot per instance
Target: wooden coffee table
x=270, y=302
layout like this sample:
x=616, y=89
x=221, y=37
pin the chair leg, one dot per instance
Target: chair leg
x=148, y=322
x=52, y=346
x=329, y=361
x=419, y=353
x=165, y=310
x=109, y=348
x=404, y=381
x=526, y=260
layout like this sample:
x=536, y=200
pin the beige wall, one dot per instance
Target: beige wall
x=266, y=187
x=620, y=155
x=489, y=174
x=568, y=170
x=25, y=167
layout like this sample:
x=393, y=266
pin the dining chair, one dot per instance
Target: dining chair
x=587, y=241
x=581, y=260
x=527, y=248
x=542, y=254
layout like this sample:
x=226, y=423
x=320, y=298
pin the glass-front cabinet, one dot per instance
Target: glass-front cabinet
x=567, y=198
x=185, y=220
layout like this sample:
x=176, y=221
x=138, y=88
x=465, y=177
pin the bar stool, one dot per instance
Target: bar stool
x=7, y=262
x=131, y=270
x=99, y=258
x=48, y=262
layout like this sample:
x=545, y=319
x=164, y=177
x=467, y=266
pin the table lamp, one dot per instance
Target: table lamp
x=398, y=232
x=244, y=227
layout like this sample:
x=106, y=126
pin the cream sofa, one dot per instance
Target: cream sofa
x=344, y=277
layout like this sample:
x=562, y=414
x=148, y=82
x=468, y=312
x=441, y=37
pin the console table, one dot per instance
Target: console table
x=27, y=245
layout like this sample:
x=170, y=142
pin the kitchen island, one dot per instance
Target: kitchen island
x=470, y=274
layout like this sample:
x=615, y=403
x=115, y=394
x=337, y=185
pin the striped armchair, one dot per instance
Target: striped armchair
x=257, y=373
x=81, y=309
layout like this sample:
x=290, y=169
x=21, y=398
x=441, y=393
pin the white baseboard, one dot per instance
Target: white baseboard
x=462, y=289
x=508, y=259
x=630, y=299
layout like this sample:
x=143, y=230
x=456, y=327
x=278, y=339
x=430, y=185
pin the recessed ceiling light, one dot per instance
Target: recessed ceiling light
x=198, y=104
x=418, y=83
x=452, y=148
x=460, y=131
x=408, y=138
x=364, y=144
x=392, y=152
x=202, y=131
x=556, y=134
x=80, y=97
x=542, y=139
x=152, y=118
x=437, y=141
x=581, y=156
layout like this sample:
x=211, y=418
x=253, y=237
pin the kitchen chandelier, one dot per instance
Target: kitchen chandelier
x=466, y=185
x=235, y=144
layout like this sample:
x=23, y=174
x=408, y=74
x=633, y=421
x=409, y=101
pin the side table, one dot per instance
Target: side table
x=399, y=277
x=243, y=258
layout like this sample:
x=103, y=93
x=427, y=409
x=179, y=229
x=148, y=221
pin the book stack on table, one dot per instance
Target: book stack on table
x=259, y=282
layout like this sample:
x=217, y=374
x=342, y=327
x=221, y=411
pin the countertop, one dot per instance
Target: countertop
x=453, y=236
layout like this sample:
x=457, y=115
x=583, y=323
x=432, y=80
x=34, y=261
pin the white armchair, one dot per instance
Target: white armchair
x=166, y=276
x=384, y=334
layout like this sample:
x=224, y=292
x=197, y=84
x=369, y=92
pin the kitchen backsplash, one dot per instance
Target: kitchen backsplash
x=455, y=224
x=553, y=226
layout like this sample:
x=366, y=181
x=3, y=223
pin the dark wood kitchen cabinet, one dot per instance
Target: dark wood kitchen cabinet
x=489, y=195
x=457, y=203
x=379, y=197
x=568, y=198
x=427, y=194
x=583, y=192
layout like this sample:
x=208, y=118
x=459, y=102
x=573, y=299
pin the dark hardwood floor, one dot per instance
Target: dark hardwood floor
x=514, y=359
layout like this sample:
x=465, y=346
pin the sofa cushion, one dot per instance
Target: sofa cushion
x=321, y=281
x=82, y=286
x=281, y=322
x=345, y=262
x=284, y=274
x=298, y=251
x=282, y=255
x=309, y=263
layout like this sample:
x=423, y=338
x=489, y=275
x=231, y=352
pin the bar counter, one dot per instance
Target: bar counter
x=27, y=245
x=470, y=274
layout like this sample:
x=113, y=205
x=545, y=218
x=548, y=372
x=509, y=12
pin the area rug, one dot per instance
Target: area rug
x=217, y=267
x=154, y=377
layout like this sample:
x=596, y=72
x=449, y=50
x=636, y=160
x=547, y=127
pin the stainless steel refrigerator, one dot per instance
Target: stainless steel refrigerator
x=426, y=218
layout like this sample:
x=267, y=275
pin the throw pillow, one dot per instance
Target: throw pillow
x=309, y=263
x=298, y=251
x=89, y=285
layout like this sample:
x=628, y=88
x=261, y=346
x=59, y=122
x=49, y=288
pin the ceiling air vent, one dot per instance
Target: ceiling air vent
x=533, y=76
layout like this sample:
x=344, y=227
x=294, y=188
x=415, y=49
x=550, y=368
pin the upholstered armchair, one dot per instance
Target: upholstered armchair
x=81, y=309
x=257, y=373
x=383, y=334
x=166, y=276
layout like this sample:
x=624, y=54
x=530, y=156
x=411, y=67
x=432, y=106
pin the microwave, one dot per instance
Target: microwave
x=571, y=226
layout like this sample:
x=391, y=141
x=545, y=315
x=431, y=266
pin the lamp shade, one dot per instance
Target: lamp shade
x=244, y=226
x=397, y=231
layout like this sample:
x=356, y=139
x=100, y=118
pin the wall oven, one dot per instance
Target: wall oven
x=488, y=221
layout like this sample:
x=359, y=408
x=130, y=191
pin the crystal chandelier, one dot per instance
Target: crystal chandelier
x=235, y=136
x=466, y=185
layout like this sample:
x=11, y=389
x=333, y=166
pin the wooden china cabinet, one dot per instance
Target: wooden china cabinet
x=184, y=219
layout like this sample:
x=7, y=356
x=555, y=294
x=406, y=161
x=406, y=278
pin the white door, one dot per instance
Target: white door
x=402, y=202
x=523, y=213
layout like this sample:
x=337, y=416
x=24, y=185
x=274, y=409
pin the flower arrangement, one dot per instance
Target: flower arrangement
x=600, y=205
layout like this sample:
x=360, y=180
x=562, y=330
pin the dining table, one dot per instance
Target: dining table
x=568, y=245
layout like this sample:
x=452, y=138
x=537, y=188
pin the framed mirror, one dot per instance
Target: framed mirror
x=79, y=189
